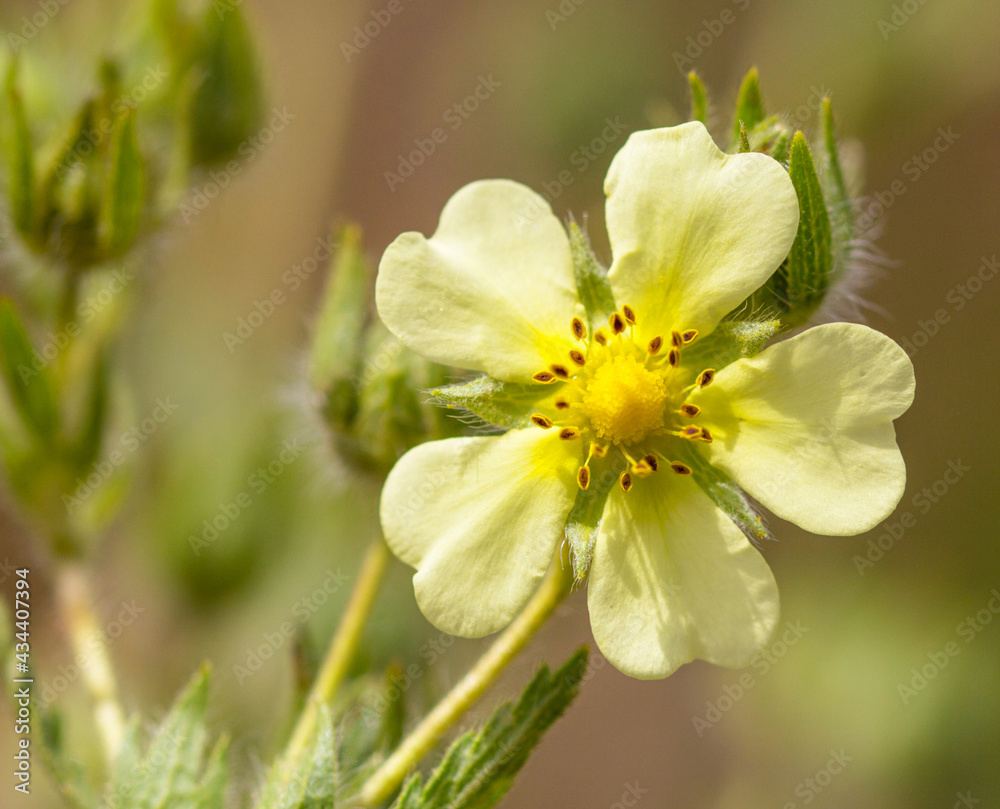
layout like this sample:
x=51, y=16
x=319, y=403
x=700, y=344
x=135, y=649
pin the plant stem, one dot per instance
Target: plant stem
x=344, y=645
x=390, y=775
x=78, y=611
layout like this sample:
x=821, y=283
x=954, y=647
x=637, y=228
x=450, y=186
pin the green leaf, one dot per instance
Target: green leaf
x=88, y=443
x=309, y=780
x=66, y=771
x=29, y=385
x=749, y=106
x=19, y=156
x=503, y=404
x=121, y=212
x=584, y=520
x=841, y=210
x=722, y=490
x=591, y=278
x=479, y=767
x=227, y=105
x=699, y=98
x=173, y=773
x=335, y=356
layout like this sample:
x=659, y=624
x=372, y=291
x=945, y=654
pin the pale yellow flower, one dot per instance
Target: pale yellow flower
x=805, y=426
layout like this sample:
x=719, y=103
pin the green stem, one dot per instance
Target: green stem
x=345, y=643
x=390, y=775
x=98, y=676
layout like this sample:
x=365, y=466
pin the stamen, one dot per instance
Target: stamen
x=674, y=358
x=676, y=340
x=569, y=433
x=688, y=337
x=544, y=377
x=577, y=357
x=655, y=345
x=583, y=477
x=561, y=404
x=652, y=462
x=598, y=451
x=692, y=431
x=578, y=328
x=642, y=469
x=705, y=436
x=601, y=337
x=560, y=371
x=690, y=410
x=629, y=313
x=705, y=377
x=617, y=323
x=625, y=481
x=541, y=421
x=680, y=468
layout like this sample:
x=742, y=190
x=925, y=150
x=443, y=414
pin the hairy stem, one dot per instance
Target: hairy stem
x=470, y=688
x=77, y=608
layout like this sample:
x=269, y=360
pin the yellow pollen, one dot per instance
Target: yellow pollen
x=625, y=401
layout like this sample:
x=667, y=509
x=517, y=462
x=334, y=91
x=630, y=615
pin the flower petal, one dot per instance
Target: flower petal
x=480, y=519
x=673, y=580
x=492, y=290
x=693, y=230
x=806, y=426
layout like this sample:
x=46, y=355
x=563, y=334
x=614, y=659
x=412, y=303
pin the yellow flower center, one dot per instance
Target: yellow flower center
x=616, y=391
x=625, y=401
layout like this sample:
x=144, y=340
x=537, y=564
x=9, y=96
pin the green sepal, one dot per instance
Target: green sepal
x=839, y=205
x=502, y=404
x=19, y=154
x=722, y=491
x=744, y=145
x=772, y=136
x=227, y=105
x=699, y=98
x=174, y=771
x=731, y=340
x=749, y=107
x=30, y=388
x=335, y=353
x=591, y=278
x=479, y=767
x=584, y=521
x=125, y=189
x=309, y=781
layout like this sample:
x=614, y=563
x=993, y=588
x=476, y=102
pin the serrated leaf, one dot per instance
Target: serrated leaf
x=699, y=98
x=227, y=105
x=309, y=781
x=584, y=520
x=30, y=387
x=591, y=278
x=124, y=193
x=173, y=773
x=723, y=491
x=479, y=767
x=749, y=107
x=19, y=154
x=503, y=404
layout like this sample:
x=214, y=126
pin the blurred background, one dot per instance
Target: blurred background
x=852, y=706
